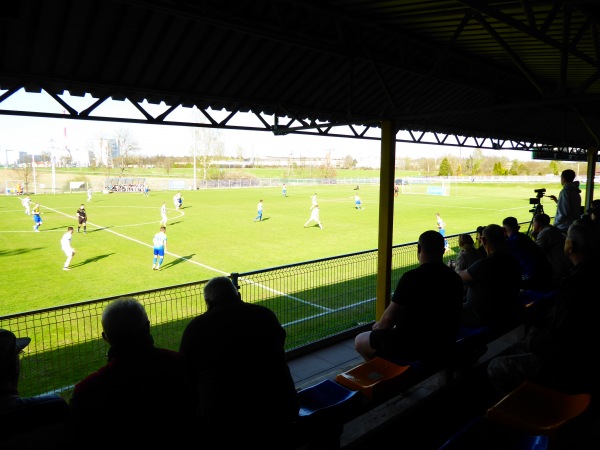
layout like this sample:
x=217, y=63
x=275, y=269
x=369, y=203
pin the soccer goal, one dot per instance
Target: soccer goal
x=12, y=187
x=426, y=186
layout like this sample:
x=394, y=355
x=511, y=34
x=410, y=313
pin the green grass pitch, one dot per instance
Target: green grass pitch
x=214, y=234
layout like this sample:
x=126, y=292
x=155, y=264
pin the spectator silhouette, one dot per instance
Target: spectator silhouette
x=27, y=422
x=494, y=282
x=594, y=209
x=144, y=395
x=593, y=212
x=536, y=272
x=559, y=352
x=552, y=242
x=480, y=247
x=467, y=255
x=236, y=350
x=422, y=320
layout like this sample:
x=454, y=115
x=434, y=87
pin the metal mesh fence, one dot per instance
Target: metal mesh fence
x=315, y=300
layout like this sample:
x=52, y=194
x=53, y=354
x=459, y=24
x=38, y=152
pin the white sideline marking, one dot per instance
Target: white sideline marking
x=179, y=257
x=304, y=319
x=285, y=295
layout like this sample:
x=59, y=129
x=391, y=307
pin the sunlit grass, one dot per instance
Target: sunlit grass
x=215, y=234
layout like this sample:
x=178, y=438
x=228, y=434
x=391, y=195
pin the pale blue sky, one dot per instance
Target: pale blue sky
x=34, y=135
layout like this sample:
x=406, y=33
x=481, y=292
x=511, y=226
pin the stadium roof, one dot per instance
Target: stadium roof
x=490, y=74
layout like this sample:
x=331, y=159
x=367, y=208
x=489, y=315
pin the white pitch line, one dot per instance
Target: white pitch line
x=353, y=305
x=143, y=243
x=189, y=260
x=285, y=295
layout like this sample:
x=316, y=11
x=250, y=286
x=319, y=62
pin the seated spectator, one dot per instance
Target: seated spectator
x=593, y=212
x=468, y=253
x=27, y=422
x=237, y=353
x=552, y=242
x=536, y=272
x=494, y=282
x=480, y=247
x=144, y=396
x=559, y=353
x=422, y=320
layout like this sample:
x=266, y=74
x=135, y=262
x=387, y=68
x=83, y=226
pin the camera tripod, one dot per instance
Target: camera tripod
x=539, y=209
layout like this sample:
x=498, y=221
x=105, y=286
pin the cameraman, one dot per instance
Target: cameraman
x=568, y=204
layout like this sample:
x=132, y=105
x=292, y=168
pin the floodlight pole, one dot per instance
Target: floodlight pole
x=53, y=160
x=33, y=168
x=195, y=182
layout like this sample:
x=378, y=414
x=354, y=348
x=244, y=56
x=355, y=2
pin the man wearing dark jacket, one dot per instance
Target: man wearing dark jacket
x=144, y=395
x=568, y=203
x=560, y=352
x=246, y=392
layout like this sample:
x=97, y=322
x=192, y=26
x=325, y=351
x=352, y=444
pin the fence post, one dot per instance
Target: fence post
x=234, y=278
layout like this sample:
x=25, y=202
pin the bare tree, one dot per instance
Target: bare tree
x=24, y=173
x=349, y=162
x=240, y=153
x=128, y=147
x=207, y=146
x=46, y=156
x=167, y=164
x=327, y=170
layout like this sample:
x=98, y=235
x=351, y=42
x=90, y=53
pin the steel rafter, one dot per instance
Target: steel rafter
x=292, y=125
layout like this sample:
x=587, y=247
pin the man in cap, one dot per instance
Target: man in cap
x=22, y=416
x=10, y=365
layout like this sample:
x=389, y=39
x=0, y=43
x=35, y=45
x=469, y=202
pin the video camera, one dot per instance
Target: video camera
x=539, y=194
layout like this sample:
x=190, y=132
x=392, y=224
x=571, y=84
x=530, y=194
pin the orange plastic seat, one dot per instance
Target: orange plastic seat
x=375, y=378
x=538, y=409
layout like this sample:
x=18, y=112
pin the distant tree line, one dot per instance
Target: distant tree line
x=477, y=164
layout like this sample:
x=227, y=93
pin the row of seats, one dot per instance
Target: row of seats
x=526, y=419
x=326, y=406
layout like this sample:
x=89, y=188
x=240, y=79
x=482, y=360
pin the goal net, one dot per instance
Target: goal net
x=425, y=186
x=14, y=187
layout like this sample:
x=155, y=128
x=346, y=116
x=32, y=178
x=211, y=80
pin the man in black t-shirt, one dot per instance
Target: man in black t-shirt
x=422, y=320
x=494, y=283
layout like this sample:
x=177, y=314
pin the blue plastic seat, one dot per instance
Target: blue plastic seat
x=470, y=344
x=483, y=434
x=324, y=408
x=465, y=333
x=327, y=398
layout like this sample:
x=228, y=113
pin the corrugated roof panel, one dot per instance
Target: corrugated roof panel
x=466, y=66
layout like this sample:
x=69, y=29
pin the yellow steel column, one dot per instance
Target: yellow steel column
x=592, y=156
x=386, y=216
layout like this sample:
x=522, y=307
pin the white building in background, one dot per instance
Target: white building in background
x=105, y=150
x=81, y=158
x=371, y=163
x=12, y=157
